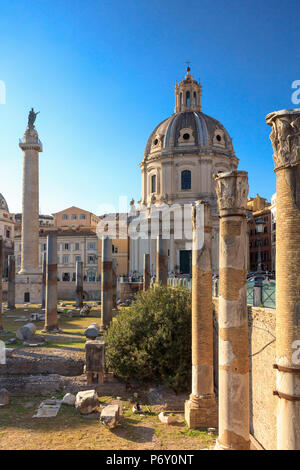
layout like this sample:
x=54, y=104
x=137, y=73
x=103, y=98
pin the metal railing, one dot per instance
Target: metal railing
x=268, y=294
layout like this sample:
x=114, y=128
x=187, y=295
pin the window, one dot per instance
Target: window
x=65, y=259
x=153, y=184
x=66, y=277
x=65, y=217
x=186, y=180
x=44, y=246
x=77, y=258
x=188, y=98
x=91, y=246
x=77, y=246
x=114, y=249
x=91, y=259
x=82, y=217
x=7, y=233
x=66, y=246
x=74, y=217
x=195, y=98
x=91, y=276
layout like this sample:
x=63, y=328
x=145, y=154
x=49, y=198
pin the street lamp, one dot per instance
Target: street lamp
x=260, y=226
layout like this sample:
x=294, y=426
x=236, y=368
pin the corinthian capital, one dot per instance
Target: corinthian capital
x=232, y=191
x=285, y=137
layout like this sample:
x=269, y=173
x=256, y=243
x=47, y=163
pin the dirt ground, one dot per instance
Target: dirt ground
x=70, y=430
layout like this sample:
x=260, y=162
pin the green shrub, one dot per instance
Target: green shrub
x=151, y=339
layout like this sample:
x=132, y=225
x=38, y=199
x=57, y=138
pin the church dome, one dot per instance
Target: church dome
x=189, y=130
x=3, y=203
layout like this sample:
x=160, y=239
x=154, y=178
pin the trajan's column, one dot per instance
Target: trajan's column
x=29, y=281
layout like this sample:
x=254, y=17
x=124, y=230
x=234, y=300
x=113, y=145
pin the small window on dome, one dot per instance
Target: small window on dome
x=195, y=98
x=186, y=136
x=186, y=180
x=155, y=142
x=219, y=138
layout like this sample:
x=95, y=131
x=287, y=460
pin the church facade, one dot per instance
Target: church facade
x=182, y=155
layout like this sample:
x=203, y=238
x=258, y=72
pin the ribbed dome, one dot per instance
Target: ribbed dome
x=3, y=203
x=191, y=130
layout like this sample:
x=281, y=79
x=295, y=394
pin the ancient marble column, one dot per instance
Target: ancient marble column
x=162, y=260
x=11, y=284
x=31, y=147
x=147, y=274
x=232, y=192
x=79, y=284
x=285, y=137
x=201, y=409
x=1, y=275
x=106, y=282
x=44, y=279
x=51, y=318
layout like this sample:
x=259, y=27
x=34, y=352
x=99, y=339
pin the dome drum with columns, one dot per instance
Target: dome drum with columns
x=182, y=155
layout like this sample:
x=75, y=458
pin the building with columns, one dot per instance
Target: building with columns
x=182, y=155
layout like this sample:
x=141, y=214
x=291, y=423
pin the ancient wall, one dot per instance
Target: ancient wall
x=129, y=289
x=66, y=290
x=262, y=375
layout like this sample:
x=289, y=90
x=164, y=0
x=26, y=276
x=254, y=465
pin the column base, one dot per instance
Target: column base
x=201, y=412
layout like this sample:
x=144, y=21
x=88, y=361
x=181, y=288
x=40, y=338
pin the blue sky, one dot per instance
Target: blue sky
x=102, y=74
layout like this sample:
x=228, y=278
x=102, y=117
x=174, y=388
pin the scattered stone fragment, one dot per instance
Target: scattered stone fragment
x=137, y=408
x=211, y=430
x=166, y=418
x=69, y=399
x=85, y=310
x=110, y=416
x=11, y=341
x=4, y=397
x=48, y=409
x=92, y=331
x=26, y=332
x=87, y=401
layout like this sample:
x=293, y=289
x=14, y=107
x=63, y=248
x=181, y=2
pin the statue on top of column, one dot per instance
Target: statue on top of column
x=32, y=117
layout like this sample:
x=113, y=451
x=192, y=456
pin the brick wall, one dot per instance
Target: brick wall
x=262, y=375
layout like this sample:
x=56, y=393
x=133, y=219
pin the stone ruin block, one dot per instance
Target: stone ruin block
x=95, y=362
